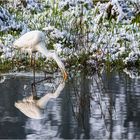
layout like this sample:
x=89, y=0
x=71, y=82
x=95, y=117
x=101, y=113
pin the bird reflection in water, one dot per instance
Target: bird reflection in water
x=35, y=108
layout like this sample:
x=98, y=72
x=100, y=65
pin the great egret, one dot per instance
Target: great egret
x=34, y=41
x=35, y=108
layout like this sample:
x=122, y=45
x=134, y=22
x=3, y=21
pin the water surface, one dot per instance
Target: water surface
x=87, y=107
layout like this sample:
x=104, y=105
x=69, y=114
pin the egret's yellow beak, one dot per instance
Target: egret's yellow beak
x=65, y=76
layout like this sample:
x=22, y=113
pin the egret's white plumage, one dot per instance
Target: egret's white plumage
x=34, y=41
x=30, y=40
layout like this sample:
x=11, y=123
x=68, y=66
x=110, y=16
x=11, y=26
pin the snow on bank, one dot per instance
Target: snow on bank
x=7, y=21
x=75, y=28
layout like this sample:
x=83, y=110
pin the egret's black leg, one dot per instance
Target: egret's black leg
x=33, y=84
x=45, y=79
x=34, y=68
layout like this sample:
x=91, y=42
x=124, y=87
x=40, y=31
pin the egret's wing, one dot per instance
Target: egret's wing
x=24, y=41
x=30, y=39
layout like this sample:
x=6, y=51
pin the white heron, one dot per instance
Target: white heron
x=35, y=41
x=35, y=108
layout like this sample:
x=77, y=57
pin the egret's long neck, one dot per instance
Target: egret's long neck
x=54, y=56
x=51, y=54
x=42, y=49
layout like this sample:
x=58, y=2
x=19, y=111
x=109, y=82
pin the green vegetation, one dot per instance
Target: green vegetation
x=83, y=34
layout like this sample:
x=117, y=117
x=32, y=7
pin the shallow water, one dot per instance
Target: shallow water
x=85, y=107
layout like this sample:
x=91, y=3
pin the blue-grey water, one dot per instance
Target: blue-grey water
x=98, y=106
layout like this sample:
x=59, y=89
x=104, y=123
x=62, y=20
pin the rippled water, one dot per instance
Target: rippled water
x=85, y=107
